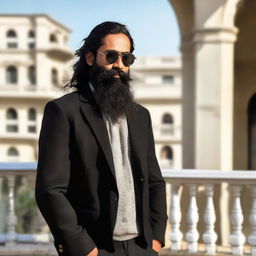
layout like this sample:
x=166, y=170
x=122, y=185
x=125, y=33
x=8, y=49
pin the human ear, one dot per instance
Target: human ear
x=89, y=57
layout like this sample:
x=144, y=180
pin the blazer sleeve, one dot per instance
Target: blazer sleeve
x=53, y=174
x=157, y=191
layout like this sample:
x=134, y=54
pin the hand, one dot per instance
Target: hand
x=94, y=252
x=156, y=245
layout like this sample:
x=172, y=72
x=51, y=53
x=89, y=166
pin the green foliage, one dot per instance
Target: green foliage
x=25, y=208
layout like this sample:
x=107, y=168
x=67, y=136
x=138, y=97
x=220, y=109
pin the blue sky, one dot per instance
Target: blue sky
x=152, y=23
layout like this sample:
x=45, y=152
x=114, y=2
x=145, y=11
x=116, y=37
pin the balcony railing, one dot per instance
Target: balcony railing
x=180, y=242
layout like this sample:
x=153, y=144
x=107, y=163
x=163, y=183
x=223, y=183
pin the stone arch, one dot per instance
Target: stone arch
x=244, y=80
x=252, y=133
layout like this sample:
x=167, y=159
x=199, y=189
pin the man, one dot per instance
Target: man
x=99, y=185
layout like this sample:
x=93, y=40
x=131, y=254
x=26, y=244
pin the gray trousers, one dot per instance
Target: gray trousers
x=130, y=247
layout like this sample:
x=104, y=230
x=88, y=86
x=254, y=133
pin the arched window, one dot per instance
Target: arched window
x=31, y=120
x=31, y=114
x=54, y=76
x=11, y=114
x=11, y=75
x=53, y=38
x=11, y=120
x=167, y=119
x=12, y=154
x=31, y=39
x=32, y=75
x=167, y=127
x=166, y=157
x=31, y=34
x=166, y=153
x=12, y=41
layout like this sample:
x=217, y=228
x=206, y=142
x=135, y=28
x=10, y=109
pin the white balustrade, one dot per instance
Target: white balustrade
x=194, y=179
x=192, y=235
x=11, y=217
x=237, y=238
x=252, y=220
x=209, y=236
x=175, y=218
x=237, y=180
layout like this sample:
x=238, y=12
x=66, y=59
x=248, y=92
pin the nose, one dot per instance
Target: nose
x=119, y=63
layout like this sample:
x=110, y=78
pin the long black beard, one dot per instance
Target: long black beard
x=113, y=95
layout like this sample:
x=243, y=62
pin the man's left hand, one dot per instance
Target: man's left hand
x=156, y=245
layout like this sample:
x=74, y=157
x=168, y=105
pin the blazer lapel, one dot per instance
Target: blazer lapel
x=135, y=135
x=98, y=127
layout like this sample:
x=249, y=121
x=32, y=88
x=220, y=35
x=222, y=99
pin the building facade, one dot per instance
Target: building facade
x=34, y=65
x=34, y=59
x=157, y=85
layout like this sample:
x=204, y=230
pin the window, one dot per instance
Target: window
x=167, y=127
x=32, y=75
x=167, y=119
x=54, y=76
x=65, y=40
x=12, y=154
x=53, y=38
x=11, y=120
x=166, y=157
x=168, y=79
x=12, y=42
x=31, y=120
x=11, y=75
x=31, y=40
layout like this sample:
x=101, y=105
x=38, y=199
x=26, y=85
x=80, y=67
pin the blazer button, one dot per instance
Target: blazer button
x=142, y=179
x=60, y=246
x=60, y=250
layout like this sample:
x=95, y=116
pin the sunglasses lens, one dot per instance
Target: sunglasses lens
x=111, y=57
x=128, y=59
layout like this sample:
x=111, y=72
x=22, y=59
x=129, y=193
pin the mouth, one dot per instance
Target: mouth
x=116, y=76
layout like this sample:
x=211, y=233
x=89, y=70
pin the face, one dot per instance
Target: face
x=118, y=42
x=111, y=81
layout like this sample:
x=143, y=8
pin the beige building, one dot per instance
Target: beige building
x=157, y=85
x=33, y=66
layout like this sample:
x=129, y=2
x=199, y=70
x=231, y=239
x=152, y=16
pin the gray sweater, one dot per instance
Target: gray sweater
x=126, y=225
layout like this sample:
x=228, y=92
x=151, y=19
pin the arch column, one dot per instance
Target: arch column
x=188, y=104
x=214, y=58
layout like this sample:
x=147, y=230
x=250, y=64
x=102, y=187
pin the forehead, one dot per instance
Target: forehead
x=118, y=42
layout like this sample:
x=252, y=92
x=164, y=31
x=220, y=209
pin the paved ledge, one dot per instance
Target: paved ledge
x=220, y=251
x=28, y=250
x=49, y=250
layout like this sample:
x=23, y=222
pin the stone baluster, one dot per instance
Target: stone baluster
x=252, y=220
x=175, y=218
x=192, y=235
x=1, y=207
x=209, y=236
x=237, y=238
x=11, y=217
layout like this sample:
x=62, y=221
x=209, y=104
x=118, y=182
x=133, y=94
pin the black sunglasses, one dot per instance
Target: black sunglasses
x=112, y=56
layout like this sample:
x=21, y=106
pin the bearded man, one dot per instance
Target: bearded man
x=99, y=186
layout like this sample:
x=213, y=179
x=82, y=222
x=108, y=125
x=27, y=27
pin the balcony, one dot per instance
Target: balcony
x=58, y=52
x=167, y=132
x=179, y=242
x=30, y=92
x=153, y=92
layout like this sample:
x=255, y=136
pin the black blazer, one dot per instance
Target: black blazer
x=76, y=190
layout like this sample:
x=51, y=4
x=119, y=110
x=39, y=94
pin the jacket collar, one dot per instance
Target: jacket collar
x=94, y=117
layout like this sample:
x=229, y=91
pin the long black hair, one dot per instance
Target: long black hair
x=92, y=43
